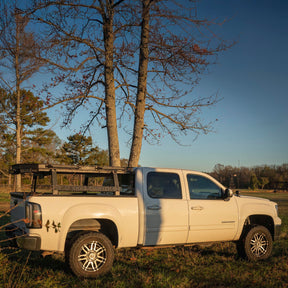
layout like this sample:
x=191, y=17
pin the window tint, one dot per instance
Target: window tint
x=202, y=188
x=164, y=185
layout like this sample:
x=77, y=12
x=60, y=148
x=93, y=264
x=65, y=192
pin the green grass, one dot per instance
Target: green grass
x=215, y=266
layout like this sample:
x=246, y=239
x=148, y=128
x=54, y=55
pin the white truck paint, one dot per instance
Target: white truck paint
x=150, y=207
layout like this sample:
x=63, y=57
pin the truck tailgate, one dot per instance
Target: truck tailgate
x=17, y=206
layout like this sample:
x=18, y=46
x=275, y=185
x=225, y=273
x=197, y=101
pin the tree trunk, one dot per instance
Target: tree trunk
x=111, y=120
x=141, y=88
x=18, y=102
x=18, y=138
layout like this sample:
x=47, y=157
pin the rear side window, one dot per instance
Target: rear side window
x=203, y=188
x=164, y=185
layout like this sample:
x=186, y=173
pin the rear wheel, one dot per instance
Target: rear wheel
x=256, y=245
x=91, y=255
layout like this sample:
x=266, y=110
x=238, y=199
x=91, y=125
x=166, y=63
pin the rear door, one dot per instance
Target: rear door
x=166, y=208
x=211, y=218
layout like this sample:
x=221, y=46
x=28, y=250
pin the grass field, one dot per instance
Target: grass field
x=214, y=266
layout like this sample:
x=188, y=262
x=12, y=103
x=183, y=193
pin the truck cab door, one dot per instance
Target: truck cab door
x=211, y=218
x=166, y=208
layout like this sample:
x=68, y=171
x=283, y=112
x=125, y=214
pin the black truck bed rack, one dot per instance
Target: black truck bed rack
x=42, y=168
x=54, y=170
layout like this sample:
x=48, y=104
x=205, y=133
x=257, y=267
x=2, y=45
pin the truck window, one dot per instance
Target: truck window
x=203, y=188
x=164, y=185
x=127, y=184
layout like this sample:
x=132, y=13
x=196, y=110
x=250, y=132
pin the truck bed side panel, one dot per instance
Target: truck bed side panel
x=59, y=213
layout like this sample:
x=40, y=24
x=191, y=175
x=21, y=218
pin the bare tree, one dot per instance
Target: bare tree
x=175, y=48
x=136, y=59
x=86, y=47
x=140, y=106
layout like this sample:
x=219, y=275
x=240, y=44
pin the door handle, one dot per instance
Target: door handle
x=154, y=207
x=199, y=208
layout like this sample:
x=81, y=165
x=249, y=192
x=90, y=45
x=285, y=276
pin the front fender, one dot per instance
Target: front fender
x=250, y=208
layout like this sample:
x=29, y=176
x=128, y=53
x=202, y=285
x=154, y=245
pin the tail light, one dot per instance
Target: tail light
x=33, y=215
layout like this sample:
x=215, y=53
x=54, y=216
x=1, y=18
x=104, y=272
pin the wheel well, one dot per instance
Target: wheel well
x=105, y=226
x=263, y=220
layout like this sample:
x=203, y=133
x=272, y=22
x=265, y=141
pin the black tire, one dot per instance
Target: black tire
x=91, y=255
x=256, y=245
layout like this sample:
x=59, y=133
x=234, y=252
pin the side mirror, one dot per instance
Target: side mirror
x=228, y=193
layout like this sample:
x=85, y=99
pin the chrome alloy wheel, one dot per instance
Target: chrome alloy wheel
x=92, y=256
x=259, y=244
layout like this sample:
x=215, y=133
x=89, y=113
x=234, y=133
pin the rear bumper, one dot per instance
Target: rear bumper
x=29, y=243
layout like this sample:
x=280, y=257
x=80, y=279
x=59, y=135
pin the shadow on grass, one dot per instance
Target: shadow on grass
x=33, y=259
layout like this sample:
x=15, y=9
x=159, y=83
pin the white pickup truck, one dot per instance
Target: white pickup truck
x=87, y=212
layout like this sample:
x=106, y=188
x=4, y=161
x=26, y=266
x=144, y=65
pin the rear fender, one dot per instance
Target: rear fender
x=88, y=215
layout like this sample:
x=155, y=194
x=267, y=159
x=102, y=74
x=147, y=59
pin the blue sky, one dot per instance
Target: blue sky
x=251, y=78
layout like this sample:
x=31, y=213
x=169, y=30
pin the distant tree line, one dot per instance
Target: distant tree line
x=258, y=177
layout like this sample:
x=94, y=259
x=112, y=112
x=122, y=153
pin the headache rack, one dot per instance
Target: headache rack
x=106, y=180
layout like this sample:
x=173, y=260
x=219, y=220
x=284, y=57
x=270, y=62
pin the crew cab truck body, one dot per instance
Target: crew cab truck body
x=87, y=212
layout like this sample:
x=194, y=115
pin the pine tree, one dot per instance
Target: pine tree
x=37, y=143
x=79, y=150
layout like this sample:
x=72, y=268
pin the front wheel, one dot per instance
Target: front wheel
x=91, y=255
x=257, y=244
